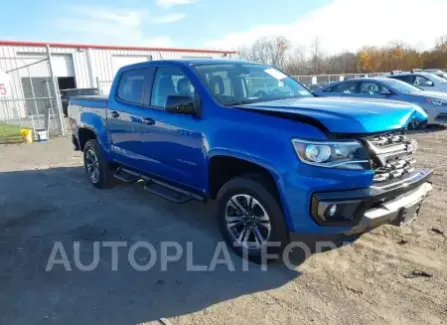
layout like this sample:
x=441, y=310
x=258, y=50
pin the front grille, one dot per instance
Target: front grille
x=392, y=156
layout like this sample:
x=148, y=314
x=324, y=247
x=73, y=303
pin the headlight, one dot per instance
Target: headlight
x=435, y=101
x=343, y=154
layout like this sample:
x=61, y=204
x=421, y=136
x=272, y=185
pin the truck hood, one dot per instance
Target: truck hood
x=344, y=115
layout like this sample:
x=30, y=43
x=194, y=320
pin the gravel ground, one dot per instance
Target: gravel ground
x=388, y=276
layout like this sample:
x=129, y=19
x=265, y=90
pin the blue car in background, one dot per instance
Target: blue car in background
x=433, y=103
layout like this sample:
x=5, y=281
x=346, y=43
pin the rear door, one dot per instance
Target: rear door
x=124, y=116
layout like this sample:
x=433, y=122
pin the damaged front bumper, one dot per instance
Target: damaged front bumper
x=395, y=202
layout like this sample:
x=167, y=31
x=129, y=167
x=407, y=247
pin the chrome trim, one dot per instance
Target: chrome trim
x=396, y=183
x=390, y=149
x=325, y=142
x=390, y=211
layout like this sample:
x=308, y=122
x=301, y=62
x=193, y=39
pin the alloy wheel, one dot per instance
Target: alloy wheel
x=247, y=221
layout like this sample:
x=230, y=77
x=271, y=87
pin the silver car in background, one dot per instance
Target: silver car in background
x=433, y=103
x=437, y=72
x=422, y=80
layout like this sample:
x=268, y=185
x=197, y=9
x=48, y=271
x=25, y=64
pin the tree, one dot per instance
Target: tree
x=296, y=62
x=364, y=62
x=317, y=56
x=397, y=55
x=268, y=51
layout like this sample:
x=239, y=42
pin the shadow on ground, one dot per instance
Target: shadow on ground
x=428, y=129
x=41, y=207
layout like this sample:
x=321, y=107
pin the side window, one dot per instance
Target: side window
x=131, y=85
x=345, y=88
x=220, y=84
x=167, y=82
x=407, y=79
x=369, y=88
x=422, y=81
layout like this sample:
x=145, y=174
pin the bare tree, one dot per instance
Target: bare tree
x=268, y=51
x=278, y=51
x=316, y=56
x=297, y=62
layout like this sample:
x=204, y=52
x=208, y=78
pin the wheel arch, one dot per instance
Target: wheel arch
x=223, y=167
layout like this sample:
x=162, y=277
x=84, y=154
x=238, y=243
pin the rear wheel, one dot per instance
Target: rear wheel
x=98, y=170
x=251, y=219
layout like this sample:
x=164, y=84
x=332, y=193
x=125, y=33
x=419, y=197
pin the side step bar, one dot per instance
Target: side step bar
x=157, y=187
x=126, y=176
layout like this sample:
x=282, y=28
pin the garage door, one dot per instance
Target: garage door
x=119, y=61
x=62, y=65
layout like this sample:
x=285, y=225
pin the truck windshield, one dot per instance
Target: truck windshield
x=243, y=83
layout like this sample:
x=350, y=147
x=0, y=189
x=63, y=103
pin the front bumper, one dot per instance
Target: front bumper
x=360, y=210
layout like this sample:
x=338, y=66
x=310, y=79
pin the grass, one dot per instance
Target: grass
x=10, y=133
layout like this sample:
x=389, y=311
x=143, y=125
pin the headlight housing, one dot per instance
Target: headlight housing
x=435, y=101
x=342, y=154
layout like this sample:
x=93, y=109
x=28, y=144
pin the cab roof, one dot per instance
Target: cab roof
x=189, y=62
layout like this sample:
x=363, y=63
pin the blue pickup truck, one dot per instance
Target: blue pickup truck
x=277, y=159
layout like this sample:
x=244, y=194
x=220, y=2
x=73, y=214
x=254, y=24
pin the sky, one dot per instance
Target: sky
x=339, y=25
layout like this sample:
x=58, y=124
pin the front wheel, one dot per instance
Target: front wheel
x=251, y=219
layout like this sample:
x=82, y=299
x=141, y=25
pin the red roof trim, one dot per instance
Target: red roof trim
x=113, y=47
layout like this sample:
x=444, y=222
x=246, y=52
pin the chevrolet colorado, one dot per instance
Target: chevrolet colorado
x=277, y=159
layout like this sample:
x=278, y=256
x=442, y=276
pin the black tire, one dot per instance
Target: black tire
x=257, y=187
x=104, y=177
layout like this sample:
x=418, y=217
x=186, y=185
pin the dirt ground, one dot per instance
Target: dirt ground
x=388, y=276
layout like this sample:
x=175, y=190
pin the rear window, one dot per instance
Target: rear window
x=408, y=79
x=130, y=88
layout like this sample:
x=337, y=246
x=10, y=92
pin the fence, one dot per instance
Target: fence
x=325, y=79
x=29, y=96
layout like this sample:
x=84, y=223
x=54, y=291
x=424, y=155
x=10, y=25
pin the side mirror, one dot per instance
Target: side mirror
x=429, y=83
x=182, y=104
x=385, y=92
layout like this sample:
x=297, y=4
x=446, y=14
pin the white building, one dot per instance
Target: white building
x=80, y=65
x=25, y=64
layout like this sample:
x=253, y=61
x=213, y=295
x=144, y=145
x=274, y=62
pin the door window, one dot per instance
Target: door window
x=370, y=88
x=168, y=82
x=345, y=88
x=130, y=88
x=422, y=81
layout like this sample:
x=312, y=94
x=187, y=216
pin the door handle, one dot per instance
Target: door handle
x=149, y=121
x=115, y=114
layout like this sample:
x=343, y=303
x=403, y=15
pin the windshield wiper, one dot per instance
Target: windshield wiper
x=262, y=100
x=241, y=102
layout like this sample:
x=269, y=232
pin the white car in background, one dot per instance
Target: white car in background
x=437, y=72
x=422, y=80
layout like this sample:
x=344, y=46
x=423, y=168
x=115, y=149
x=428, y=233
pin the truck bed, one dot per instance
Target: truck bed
x=90, y=101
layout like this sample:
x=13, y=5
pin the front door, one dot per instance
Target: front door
x=174, y=143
